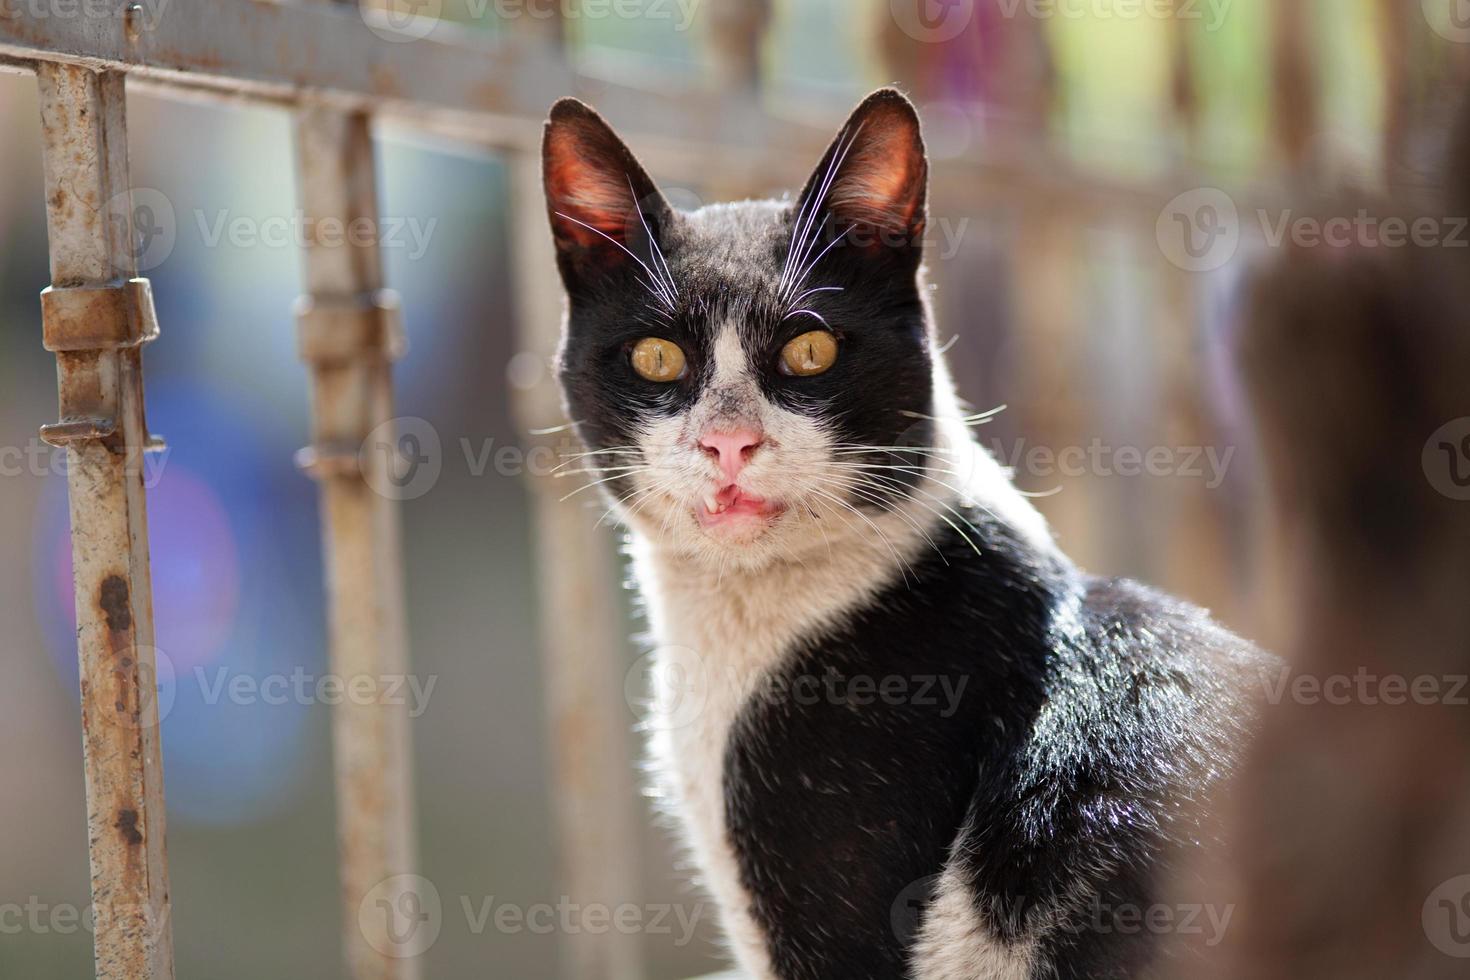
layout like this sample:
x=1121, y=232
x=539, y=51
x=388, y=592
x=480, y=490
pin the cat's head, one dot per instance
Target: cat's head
x=744, y=373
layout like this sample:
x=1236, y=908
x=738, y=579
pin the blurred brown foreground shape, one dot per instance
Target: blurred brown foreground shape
x=1351, y=854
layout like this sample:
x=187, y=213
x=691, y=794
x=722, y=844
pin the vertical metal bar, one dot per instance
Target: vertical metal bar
x=597, y=821
x=1397, y=39
x=737, y=34
x=597, y=828
x=1192, y=519
x=96, y=319
x=1183, y=92
x=1293, y=68
x=349, y=338
x=1189, y=519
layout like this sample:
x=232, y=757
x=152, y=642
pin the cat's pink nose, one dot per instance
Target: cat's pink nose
x=732, y=450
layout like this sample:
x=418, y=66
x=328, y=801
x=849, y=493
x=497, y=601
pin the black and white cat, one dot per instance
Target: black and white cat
x=923, y=743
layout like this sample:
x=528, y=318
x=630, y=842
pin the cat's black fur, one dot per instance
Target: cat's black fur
x=1095, y=714
x=865, y=801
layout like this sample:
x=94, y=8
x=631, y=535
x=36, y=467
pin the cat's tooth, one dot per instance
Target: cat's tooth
x=711, y=505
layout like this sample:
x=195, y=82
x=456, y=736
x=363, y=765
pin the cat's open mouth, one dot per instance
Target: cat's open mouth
x=732, y=510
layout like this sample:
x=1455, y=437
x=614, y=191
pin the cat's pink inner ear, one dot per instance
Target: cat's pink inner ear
x=884, y=178
x=589, y=198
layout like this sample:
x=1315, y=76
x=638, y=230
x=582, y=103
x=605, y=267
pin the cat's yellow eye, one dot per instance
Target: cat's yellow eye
x=811, y=353
x=656, y=359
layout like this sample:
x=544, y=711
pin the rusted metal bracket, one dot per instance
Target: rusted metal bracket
x=104, y=316
x=69, y=432
x=109, y=316
x=337, y=331
x=341, y=329
x=330, y=461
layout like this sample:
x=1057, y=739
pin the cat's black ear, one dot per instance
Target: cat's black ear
x=602, y=204
x=873, y=183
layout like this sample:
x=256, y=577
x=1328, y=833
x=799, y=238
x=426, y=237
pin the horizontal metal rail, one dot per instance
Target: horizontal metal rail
x=495, y=92
x=309, y=53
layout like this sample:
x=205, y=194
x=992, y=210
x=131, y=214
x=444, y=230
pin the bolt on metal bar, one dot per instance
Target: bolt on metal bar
x=97, y=317
x=349, y=337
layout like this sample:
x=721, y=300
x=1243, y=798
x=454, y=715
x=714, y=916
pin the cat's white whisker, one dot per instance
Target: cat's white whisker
x=797, y=313
x=903, y=564
x=801, y=277
x=668, y=276
x=666, y=299
x=554, y=430
x=820, y=289
x=898, y=486
x=979, y=418
x=804, y=237
x=573, y=459
x=599, y=469
x=589, y=486
x=873, y=496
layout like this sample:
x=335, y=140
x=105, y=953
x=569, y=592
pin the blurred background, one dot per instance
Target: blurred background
x=1086, y=272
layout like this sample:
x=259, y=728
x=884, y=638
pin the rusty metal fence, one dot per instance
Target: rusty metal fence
x=341, y=71
x=338, y=70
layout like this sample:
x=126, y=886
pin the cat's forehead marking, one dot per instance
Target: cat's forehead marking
x=731, y=364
